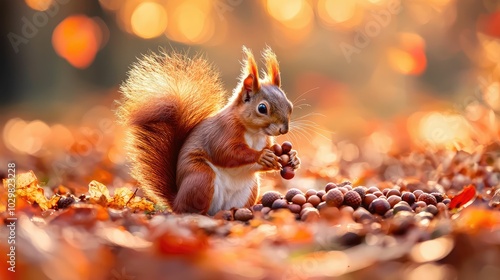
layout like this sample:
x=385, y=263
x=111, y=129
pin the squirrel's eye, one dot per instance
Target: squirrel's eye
x=262, y=108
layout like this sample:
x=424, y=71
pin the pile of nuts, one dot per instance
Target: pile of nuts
x=365, y=203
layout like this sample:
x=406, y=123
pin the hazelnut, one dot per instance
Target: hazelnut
x=343, y=189
x=439, y=196
x=314, y=200
x=286, y=147
x=361, y=191
x=379, y=206
x=401, y=206
x=322, y=205
x=330, y=186
x=310, y=214
x=291, y=193
x=334, y=198
x=417, y=193
x=353, y=199
x=320, y=193
x=310, y=192
x=276, y=148
x=307, y=205
x=257, y=207
x=243, y=214
x=269, y=197
x=393, y=200
x=265, y=210
x=368, y=199
x=284, y=159
x=446, y=201
x=431, y=209
x=287, y=172
x=361, y=214
x=378, y=193
x=392, y=192
x=427, y=198
x=299, y=199
x=372, y=189
x=279, y=203
x=408, y=197
x=294, y=208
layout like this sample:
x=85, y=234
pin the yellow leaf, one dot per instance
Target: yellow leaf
x=97, y=190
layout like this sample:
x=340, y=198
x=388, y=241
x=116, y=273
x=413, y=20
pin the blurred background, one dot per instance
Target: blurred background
x=370, y=79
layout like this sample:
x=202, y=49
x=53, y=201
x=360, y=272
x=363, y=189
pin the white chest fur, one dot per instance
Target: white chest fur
x=233, y=186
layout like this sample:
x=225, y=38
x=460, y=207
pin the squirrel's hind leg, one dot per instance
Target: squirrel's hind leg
x=196, y=189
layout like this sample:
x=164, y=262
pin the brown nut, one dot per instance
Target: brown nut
x=417, y=193
x=393, y=200
x=330, y=186
x=243, y=214
x=372, y=189
x=294, y=208
x=427, y=198
x=320, y=193
x=279, y=203
x=439, y=196
x=299, y=199
x=291, y=193
x=309, y=214
x=369, y=197
x=314, y=200
x=269, y=197
x=334, y=197
x=284, y=159
x=287, y=172
x=276, y=148
x=361, y=191
x=353, y=199
x=286, y=147
x=392, y=192
x=257, y=207
x=310, y=192
x=379, y=206
x=408, y=197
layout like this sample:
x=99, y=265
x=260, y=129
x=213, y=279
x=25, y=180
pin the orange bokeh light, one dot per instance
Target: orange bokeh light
x=40, y=5
x=77, y=39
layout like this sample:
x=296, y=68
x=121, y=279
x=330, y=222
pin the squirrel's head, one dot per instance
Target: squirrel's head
x=263, y=105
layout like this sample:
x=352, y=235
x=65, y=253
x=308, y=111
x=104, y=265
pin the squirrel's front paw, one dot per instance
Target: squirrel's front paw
x=269, y=159
x=294, y=159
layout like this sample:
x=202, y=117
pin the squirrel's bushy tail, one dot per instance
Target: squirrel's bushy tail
x=164, y=97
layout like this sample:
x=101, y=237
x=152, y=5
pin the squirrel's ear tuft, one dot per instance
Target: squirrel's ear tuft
x=273, y=71
x=250, y=73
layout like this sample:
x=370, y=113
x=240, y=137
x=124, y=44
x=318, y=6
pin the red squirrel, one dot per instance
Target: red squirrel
x=189, y=146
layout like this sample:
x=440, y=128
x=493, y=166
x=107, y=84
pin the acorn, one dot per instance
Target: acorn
x=257, y=208
x=401, y=206
x=299, y=199
x=439, y=196
x=243, y=214
x=368, y=199
x=320, y=193
x=431, y=209
x=269, y=197
x=372, y=189
x=309, y=214
x=392, y=192
x=393, y=200
x=276, y=148
x=284, y=159
x=330, y=186
x=417, y=193
x=287, y=172
x=408, y=197
x=427, y=198
x=314, y=200
x=334, y=198
x=286, y=147
x=310, y=192
x=379, y=206
x=291, y=193
x=361, y=214
x=361, y=191
x=279, y=203
x=353, y=199
x=294, y=208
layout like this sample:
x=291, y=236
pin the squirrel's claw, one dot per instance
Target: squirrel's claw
x=294, y=159
x=269, y=159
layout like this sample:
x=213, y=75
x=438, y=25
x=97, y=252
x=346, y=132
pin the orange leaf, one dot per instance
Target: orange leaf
x=464, y=198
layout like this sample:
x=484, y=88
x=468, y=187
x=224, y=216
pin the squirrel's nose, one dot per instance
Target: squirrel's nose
x=284, y=129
